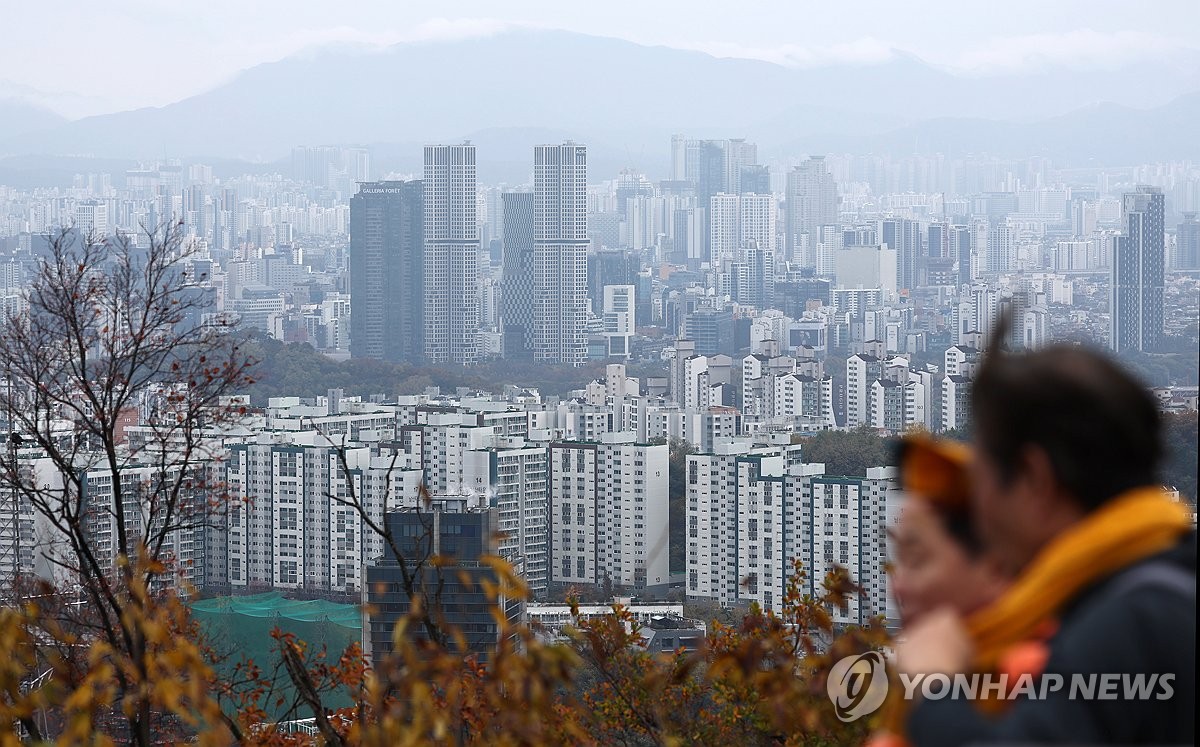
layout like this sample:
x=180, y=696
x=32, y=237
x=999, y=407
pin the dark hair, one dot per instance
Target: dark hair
x=1097, y=424
x=961, y=528
x=954, y=515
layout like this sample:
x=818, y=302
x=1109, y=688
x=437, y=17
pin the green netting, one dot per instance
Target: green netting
x=239, y=628
x=273, y=604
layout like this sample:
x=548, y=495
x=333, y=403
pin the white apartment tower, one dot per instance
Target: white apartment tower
x=291, y=533
x=609, y=512
x=1001, y=249
x=842, y=522
x=511, y=477
x=451, y=260
x=861, y=370
x=752, y=510
x=441, y=444
x=737, y=220
x=560, y=242
x=739, y=539
x=91, y=218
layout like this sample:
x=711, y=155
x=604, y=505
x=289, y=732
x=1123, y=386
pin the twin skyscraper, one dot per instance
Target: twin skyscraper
x=414, y=262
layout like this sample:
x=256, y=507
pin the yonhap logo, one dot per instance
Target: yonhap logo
x=857, y=685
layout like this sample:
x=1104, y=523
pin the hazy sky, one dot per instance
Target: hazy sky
x=103, y=56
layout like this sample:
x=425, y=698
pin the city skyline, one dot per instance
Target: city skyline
x=562, y=373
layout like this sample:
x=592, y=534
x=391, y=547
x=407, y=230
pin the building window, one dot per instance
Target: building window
x=289, y=518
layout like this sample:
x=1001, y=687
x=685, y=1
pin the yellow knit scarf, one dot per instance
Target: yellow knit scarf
x=1128, y=528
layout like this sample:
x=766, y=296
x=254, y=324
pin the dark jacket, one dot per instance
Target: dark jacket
x=1133, y=622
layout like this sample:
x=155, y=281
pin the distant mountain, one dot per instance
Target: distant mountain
x=1101, y=134
x=626, y=96
x=18, y=117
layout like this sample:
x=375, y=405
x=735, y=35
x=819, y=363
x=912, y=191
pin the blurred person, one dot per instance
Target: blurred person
x=939, y=560
x=1064, y=497
x=940, y=563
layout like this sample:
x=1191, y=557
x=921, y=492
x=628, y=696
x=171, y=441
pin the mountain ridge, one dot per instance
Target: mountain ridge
x=631, y=95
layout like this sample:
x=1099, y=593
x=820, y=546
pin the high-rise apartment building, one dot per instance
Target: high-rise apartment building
x=904, y=235
x=292, y=533
x=1000, y=248
x=42, y=548
x=724, y=227
x=92, y=218
x=1187, y=243
x=560, y=242
x=843, y=523
x=609, y=512
x=679, y=158
x=713, y=166
x=737, y=221
x=959, y=238
x=1138, y=274
x=331, y=167
x=451, y=255
x=861, y=370
x=748, y=277
x=512, y=476
x=812, y=202
x=387, y=288
x=442, y=442
x=738, y=536
x=739, y=156
x=518, y=262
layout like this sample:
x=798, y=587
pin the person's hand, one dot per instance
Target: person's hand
x=937, y=643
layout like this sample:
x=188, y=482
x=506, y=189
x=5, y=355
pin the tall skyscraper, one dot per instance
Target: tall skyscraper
x=1138, y=274
x=713, y=167
x=1001, y=249
x=739, y=155
x=724, y=227
x=737, y=220
x=812, y=202
x=560, y=242
x=937, y=240
x=387, y=290
x=517, y=296
x=904, y=235
x=451, y=255
x=706, y=168
x=679, y=155
x=1187, y=243
x=960, y=251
